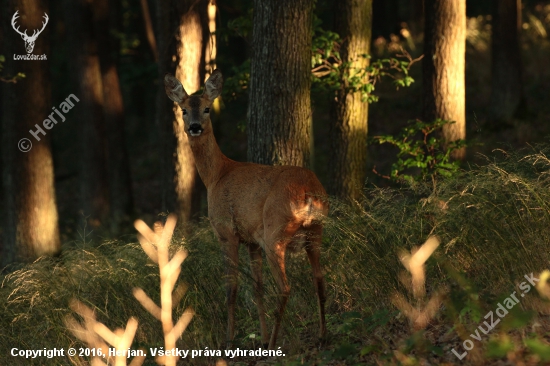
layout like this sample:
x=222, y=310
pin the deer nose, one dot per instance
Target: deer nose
x=195, y=129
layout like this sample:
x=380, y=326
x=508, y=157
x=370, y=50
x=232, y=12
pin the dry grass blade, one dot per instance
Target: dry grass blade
x=414, y=263
x=148, y=248
x=93, y=332
x=146, y=302
x=182, y=323
x=421, y=314
x=178, y=293
x=147, y=233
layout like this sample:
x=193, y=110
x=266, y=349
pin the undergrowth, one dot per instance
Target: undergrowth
x=493, y=222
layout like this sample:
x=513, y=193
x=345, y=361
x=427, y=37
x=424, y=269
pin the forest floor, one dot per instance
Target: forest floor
x=492, y=222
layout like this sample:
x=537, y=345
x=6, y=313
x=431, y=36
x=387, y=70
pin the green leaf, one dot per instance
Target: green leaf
x=344, y=351
x=499, y=348
x=539, y=348
x=368, y=349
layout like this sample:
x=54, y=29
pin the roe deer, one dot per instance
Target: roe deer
x=271, y=207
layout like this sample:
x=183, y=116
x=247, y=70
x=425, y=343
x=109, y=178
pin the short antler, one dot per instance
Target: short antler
x=36, y=33
x=13, y=19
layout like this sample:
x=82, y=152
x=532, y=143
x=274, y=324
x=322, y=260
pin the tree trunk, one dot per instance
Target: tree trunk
x=166, y=27
x=94, y=191
x=507, y=97
x=280, y=80
x=147, y=22
x=210, y=53
x=211, y=48
x=443, y=67
x=30, y=213
x=118, y=165
x=190, y=71
x=348, y=127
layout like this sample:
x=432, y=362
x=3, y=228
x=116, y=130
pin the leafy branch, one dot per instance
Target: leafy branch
x=13, y=79
x=428, y=153
x=327, y=67
x=330, y=71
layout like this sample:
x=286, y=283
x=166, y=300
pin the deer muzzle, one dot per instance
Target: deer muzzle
x=195, y=129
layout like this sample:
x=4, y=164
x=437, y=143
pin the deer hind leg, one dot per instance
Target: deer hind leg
x=276, y=259
x=313, y=249
x=230, y=249
x=256, y=267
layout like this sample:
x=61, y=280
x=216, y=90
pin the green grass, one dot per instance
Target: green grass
x=494, y=225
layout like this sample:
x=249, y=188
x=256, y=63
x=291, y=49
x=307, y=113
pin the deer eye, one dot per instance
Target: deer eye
x=184, y=111
x=206, y=110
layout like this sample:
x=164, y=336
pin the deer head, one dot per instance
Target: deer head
x=29, y=40
x=195, y=108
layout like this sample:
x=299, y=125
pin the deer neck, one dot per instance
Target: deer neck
x=209, y=159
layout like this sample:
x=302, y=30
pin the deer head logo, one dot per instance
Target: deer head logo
x=29, y=40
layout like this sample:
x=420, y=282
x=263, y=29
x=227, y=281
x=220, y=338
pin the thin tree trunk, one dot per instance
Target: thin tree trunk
x=94, y=191
x=280, y=80
x=30, y=214
x=149, y=29
x=507, y=97
x=353, y=22
x=443, y=67
x=211, y=42
x=118, y=165
x=210, y=53
x=190, y=71
x=166, y=27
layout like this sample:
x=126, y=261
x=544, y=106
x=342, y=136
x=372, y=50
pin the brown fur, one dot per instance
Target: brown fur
x=276, y=208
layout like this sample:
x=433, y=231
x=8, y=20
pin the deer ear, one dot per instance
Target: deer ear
x=213, y=86
x=174, y=89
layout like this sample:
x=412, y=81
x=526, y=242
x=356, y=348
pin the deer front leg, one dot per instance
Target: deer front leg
x=256, y=266
x=231, y=253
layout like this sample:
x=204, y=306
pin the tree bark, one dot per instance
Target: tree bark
x=118, y=164
x=280, y=79
x=348, y=129
x=443, y=67
x=507, y=97
x=210, y=54
x=211, y=47
x=182, y=35
x=93, y=183
x=190, y=70
x=30, y=214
